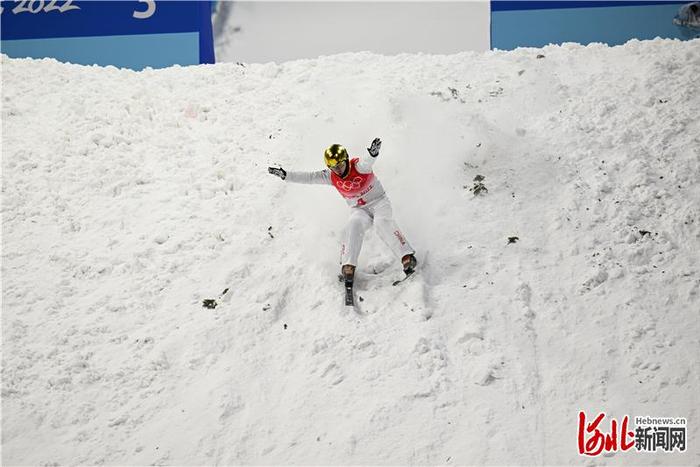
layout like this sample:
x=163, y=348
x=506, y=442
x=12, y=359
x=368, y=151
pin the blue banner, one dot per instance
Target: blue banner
x=511, y=5
x=31, y=26
x=539, y=23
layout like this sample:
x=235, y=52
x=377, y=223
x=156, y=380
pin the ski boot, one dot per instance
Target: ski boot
x=409, y=263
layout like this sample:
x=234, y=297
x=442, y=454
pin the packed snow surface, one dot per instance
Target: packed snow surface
x=129, y=198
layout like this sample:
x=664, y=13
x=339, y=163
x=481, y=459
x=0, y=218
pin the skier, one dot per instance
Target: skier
x=355, y=181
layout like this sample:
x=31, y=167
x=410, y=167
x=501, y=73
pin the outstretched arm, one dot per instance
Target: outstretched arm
x=320, y=177
x=366, y=163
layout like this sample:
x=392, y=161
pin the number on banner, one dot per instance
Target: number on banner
x=150, y=10
x=21, y=7
x=52, y=6
x=36, y=6
x=67, y=6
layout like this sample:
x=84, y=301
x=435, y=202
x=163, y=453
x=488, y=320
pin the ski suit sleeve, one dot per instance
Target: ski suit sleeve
x=364, y=165
x=320, y=177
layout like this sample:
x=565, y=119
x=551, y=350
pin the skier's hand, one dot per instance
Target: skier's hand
x=373, y=150
x=278, y=172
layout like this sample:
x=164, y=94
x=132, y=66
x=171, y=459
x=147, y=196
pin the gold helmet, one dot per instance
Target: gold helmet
x=334, y=155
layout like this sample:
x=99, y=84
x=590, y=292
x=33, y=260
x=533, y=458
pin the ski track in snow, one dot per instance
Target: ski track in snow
x=129, y=198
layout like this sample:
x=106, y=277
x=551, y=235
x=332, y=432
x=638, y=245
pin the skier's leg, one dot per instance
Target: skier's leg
x=358, y=224
x=389, y=231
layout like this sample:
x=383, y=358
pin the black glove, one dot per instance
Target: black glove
x=374, y=148
x=277, y=171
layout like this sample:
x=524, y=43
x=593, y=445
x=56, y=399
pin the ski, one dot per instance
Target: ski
x=408, y=276
x=349, y=295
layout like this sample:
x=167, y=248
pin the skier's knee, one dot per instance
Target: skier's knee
x=357, y=225
x=383, y=224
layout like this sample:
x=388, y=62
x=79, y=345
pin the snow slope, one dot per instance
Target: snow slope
x=128, y=198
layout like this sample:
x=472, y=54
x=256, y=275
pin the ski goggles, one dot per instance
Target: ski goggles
x=333, y=163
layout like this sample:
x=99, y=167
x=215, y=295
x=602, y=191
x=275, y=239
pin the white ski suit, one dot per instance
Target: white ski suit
x=368, y=203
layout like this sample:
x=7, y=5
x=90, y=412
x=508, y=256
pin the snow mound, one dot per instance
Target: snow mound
x=571, y=283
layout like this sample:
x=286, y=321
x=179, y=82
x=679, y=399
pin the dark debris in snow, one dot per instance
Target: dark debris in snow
x=479, y=187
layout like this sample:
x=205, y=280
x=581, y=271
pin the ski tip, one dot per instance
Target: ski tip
x=407, y=276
